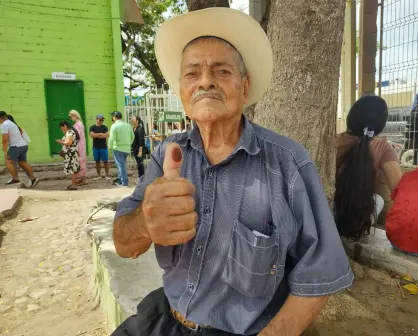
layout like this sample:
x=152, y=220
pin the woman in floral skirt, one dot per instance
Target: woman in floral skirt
x=71, y=158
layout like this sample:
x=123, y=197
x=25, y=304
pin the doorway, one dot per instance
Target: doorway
x=61, y=97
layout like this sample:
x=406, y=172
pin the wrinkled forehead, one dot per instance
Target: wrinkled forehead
x=211, y=47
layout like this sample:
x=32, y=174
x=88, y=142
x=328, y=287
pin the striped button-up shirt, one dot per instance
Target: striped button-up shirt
x=265, y=231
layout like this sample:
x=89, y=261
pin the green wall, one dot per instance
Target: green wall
x=41, y=37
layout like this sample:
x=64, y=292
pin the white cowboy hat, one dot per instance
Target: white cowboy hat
x=234, y=26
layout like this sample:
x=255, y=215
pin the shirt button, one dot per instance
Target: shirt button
x=210, y=172
x=199, y=249
x=191, y=287
x=207, y=210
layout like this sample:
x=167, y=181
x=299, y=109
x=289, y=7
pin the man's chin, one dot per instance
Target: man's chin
x=208, y=110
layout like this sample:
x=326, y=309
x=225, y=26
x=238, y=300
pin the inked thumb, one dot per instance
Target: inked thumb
x=172, y=161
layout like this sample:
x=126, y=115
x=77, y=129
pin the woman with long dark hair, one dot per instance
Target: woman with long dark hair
x=71, y=156
x=21, y=130
x=360, y=158
x=137, y=148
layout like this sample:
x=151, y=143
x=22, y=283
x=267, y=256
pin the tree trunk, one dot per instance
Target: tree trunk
x=301, y=102
x=193, y=5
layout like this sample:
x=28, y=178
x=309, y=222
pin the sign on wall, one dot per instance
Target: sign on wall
x=64, y=75
x=170, y=116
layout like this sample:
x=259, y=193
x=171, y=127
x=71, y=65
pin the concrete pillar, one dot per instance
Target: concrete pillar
x=368, y=47
x=257, y=8
x=348, y=61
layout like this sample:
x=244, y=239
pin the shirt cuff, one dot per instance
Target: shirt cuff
x=322, y=289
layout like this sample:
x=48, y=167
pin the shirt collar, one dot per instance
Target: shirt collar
x=248, y=140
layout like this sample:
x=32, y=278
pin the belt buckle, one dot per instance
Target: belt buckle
x=197, y=328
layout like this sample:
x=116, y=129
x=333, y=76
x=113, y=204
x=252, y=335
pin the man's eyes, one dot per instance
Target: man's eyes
x=220, y=71
x=224, y=72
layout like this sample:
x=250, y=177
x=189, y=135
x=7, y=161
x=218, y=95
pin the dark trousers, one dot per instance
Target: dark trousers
x=139, y=163
x=154, y=318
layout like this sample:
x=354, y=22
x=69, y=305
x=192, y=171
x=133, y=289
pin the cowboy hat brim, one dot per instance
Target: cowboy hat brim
x=231, y=25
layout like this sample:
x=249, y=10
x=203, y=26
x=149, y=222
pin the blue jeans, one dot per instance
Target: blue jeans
x=120, y=160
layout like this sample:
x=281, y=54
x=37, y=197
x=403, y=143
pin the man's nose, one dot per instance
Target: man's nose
x=207, y=81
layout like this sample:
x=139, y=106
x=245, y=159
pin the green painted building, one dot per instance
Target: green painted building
x=56, y=56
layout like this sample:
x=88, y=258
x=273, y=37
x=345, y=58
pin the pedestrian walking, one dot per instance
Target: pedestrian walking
x=99, y=133
x=70, y=150
x=120, y=141
x=236, y=213
x=15, y=150
x=79, y=127
x=138, y=146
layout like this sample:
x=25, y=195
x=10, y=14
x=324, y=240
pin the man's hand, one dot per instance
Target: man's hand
x=169, y=206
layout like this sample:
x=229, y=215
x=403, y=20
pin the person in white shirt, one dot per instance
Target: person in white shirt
x=15, y=150
x=169, y=129
x=176, y=128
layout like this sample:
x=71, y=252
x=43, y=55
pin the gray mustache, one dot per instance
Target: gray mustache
x=211, y=94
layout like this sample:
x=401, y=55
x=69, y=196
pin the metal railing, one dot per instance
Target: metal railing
x=149, y=107
x=398, y=74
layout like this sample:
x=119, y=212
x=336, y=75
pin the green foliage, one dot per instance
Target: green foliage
x=138, y=42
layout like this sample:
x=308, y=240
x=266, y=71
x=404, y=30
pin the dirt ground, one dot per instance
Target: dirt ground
x=46, y=265
x=374, y=306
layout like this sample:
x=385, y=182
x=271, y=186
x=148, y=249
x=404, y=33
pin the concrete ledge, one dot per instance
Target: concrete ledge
x=118, y=284
x=376, y=251
x=10, y=201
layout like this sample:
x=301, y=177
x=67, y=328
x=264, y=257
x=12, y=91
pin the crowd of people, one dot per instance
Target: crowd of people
x=122, y=138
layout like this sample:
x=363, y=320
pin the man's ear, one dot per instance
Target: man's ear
x=246, y=88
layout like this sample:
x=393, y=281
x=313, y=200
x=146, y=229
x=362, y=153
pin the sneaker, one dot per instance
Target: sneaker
x=34, y=183
x=119, y=185
x=11, y=181
x=96, y=178
x=108, y=178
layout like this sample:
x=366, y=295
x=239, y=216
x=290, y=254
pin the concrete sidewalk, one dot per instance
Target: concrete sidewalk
x=10, y=201
x=376, y=251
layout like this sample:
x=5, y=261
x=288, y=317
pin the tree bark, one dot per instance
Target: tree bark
x=301, y=102
x=193, y=5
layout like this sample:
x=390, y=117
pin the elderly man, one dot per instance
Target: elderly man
x=237, y=213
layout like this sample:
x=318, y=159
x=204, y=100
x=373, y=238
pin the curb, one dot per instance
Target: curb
x=376, y=251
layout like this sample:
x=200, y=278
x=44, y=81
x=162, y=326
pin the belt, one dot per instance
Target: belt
x=188, y=324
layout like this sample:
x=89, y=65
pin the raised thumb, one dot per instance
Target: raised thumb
x=172, y=161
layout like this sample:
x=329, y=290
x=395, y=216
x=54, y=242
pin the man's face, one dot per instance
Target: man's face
x=211, y=85
x=99, y=121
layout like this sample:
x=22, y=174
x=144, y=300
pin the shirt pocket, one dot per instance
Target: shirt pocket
x=252, y=267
